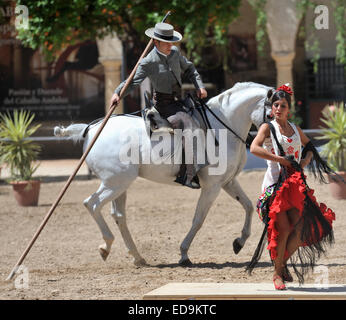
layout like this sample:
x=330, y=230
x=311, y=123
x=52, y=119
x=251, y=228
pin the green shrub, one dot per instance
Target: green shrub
x=16, y=149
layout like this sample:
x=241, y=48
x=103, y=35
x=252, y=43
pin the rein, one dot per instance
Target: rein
x=249, y=139
x=202, y=108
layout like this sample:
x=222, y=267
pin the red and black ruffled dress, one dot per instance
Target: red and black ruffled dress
x=288, y=189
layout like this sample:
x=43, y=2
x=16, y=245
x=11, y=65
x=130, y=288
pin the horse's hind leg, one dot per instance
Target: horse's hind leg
x=118, y=212
x=94, y=205
x=205, y=201
x=235, y=191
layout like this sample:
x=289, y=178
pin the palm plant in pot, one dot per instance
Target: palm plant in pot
x=335, y=149
x=19, y=153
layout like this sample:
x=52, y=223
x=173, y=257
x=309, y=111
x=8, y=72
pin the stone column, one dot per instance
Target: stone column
x=112, y=70
x=284, y=63
x=282, y=26
x=110, y=55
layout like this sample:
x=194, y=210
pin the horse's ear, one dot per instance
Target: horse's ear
x=269, y=94
x=147, y=99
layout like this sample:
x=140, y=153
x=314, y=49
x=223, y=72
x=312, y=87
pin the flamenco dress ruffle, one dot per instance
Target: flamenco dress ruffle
x=294, y=193
x=290, y=192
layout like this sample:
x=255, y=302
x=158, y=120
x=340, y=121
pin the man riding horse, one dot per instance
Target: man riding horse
x=164, y=66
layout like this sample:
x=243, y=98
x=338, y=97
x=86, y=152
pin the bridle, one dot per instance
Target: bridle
x=250, y=138
x=204, y=105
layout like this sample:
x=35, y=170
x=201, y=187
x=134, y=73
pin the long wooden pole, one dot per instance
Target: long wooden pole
x=82, y=159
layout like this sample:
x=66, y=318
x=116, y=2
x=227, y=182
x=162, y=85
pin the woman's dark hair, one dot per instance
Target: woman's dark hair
x=280, y=95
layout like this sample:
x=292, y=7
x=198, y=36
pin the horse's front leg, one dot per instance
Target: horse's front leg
x=235, y=191
x=205, y=201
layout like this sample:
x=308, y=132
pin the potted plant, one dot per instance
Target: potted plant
x=18, y=152
x=335, y=149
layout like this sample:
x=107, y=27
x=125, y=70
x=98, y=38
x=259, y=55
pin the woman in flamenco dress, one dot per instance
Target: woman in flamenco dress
x=296, y=225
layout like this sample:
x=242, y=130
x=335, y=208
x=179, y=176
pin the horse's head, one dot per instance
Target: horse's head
x=268, y=106
x=263, y=109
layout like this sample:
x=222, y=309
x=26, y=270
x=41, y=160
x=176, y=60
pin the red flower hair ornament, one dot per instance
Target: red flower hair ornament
x=285, y=88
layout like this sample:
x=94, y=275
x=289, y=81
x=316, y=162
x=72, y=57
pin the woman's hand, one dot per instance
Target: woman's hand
x=284, y=162
x=304, y=162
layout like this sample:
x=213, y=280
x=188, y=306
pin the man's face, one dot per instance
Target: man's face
x=164, y=47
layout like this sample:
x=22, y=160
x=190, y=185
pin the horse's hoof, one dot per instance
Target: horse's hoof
x=104, y=253
x=140, y=263
x=185, y=262
x=236, y=246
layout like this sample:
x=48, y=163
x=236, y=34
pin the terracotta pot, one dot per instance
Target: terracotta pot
x=26, y=192
x=338, y=188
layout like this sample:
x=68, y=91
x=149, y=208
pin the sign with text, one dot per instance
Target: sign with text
x=69, y=88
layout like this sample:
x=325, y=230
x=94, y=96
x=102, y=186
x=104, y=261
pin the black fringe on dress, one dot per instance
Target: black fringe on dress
x=307, y=255
x=317, y=165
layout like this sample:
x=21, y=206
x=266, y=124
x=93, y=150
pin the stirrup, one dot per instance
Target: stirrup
x=193, y=184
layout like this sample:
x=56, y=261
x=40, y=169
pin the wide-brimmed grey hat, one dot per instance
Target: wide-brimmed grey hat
x=164, y=32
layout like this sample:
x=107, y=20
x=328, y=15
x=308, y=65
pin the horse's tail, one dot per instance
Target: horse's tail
x=74, y=131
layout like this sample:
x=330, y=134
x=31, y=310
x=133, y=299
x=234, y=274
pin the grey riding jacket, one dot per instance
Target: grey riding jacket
x=164, y=72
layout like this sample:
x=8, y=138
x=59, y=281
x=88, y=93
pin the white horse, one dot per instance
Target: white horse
x=238, y=107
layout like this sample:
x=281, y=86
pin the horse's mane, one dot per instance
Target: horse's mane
x=237, y=87
x=245, y=85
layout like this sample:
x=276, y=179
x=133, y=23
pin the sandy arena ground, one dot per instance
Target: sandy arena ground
x=64, y=263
